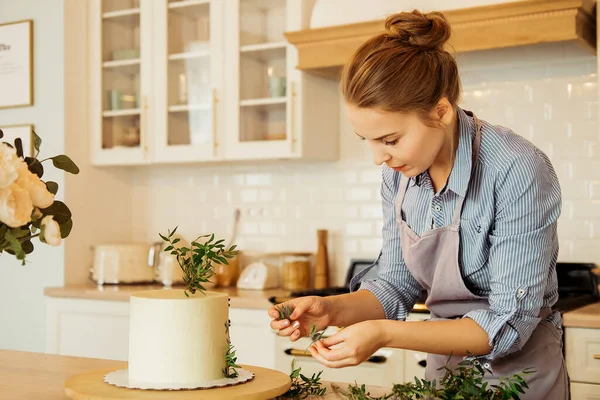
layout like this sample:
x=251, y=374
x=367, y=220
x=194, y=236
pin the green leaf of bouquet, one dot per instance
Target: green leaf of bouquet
x=65, y=163
x=52, y=187
x=65, y=228
x=59, y=211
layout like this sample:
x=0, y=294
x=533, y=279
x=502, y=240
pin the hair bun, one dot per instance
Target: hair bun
x=430, y=31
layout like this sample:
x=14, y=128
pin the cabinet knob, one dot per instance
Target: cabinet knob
x=596, y=356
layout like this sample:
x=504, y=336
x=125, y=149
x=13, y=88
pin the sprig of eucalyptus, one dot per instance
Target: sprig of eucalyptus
x=303, y=386
x=230, y=370
x=315, y=335
x=284, y=310
x=197, y=262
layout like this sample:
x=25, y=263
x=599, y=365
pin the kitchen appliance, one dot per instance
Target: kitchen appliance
x=124, y=263
x=577, y=285
x=259, y=276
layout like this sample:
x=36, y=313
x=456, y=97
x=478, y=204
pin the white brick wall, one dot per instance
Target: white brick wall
x=546, y=93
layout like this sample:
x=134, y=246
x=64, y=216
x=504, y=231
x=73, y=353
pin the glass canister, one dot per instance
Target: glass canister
x=296, y=272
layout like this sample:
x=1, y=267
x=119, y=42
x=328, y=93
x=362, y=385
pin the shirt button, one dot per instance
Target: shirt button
x=487, y=365
x=521, y=292
x=437, y=208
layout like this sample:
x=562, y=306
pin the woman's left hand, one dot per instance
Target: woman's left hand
x=358, y=343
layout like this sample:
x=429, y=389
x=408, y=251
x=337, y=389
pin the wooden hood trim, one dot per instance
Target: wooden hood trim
x=322, y=51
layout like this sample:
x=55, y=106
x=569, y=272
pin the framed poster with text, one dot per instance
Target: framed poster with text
x=25, y=132
x=16, y=64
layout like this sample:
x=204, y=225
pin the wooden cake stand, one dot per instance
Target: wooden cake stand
x=267, y=384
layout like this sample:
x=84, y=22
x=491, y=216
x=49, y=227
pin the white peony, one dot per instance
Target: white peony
x=9, y=165
x=15, y=206
x=50, y=231
x=40, y=196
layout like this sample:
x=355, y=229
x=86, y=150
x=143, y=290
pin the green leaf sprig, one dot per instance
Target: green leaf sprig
x=197, y=262
x=303, y=386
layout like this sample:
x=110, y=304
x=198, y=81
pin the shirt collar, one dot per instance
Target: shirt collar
x=461, y=170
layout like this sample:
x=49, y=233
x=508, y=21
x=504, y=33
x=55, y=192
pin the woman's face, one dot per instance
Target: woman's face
x=401, y=140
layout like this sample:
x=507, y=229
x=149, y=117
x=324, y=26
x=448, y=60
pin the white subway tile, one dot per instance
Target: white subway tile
x=249, y=195
x=350, y=177
x=351, y=246
x=359, y=229
x=371, y=175
x=265, y=196
x=586, y=209
x=371, y=211
x=259, y=179
x=268, y=228
x=372, y=246
x=359, y=194
x=250, y=228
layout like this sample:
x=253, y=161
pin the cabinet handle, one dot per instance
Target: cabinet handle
x=302, y=353
x=292, y=115
x=143, y=138
x=596, y=356
x=214, y=121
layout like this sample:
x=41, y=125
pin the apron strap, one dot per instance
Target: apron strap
x=475, y=157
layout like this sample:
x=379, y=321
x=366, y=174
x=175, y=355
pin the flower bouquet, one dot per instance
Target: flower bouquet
x=27, y=205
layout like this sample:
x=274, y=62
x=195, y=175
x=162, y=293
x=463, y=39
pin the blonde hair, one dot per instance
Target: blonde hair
x=405, y=69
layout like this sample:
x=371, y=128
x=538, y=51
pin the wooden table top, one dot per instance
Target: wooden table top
x=584, y=317
x=40, y=376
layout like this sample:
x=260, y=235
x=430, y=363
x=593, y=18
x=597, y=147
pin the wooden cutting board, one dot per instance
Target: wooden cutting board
x=267, y=384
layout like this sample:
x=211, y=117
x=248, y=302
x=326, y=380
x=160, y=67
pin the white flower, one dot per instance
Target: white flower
x=9, y=165
x=40, y=196
x=15, y=206
x=50, y=231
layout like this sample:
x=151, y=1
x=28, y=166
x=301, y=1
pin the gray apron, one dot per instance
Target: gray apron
x=433, y=260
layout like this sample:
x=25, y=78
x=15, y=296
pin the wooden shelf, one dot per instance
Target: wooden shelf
x=323, y=51
x=121, y=13
x=263, y=46
x=189, y=107
x=121, y=113
x=187, y=3
x=189, y=55
x=263, y=102
x=121, y=63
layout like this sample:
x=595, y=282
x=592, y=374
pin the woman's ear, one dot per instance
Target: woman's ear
x=444, y=111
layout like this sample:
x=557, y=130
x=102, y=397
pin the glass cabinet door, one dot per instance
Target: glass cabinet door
x=191, y=53
x=262, y=70
x=121, y=76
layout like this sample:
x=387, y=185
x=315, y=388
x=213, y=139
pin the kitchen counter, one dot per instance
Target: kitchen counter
x=39, y=376
x=584, y=317
x=257, y=299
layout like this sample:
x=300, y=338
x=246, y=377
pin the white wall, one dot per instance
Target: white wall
x=22, y=307
x=547, y=93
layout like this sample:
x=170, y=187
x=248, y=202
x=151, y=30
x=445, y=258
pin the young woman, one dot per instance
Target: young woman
x=470, y=215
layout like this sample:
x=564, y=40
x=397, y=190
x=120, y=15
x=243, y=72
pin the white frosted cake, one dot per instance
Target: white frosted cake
x=174, y=339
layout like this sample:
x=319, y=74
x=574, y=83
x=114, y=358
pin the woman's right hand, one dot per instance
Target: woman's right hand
x=306, y=311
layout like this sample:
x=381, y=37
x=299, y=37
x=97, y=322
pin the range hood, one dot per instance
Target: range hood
x=322, y=51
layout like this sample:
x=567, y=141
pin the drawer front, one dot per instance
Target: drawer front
x=582, y=354
x=585, y=391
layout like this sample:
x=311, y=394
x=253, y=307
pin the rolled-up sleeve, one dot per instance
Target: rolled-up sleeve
x=523, y=247
x=395, y=288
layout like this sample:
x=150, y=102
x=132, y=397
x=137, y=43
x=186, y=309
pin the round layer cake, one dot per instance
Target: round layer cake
x=177, y=339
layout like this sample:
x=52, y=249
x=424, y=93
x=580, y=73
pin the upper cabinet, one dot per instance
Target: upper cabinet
x=204, y=81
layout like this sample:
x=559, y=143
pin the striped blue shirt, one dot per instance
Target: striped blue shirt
x=508, y=235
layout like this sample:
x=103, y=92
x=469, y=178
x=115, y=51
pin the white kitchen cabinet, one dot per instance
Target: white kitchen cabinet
x=120, y=37
x=176, y=81
x=100, y=329
x=274, y=110
x=582, y=355
x=584, y=391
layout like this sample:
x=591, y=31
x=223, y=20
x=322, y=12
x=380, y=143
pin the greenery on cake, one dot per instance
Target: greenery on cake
x=465, y=383
x=230, y=370
x=197, y=262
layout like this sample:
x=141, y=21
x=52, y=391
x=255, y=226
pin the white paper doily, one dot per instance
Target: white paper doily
x=121, y=378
